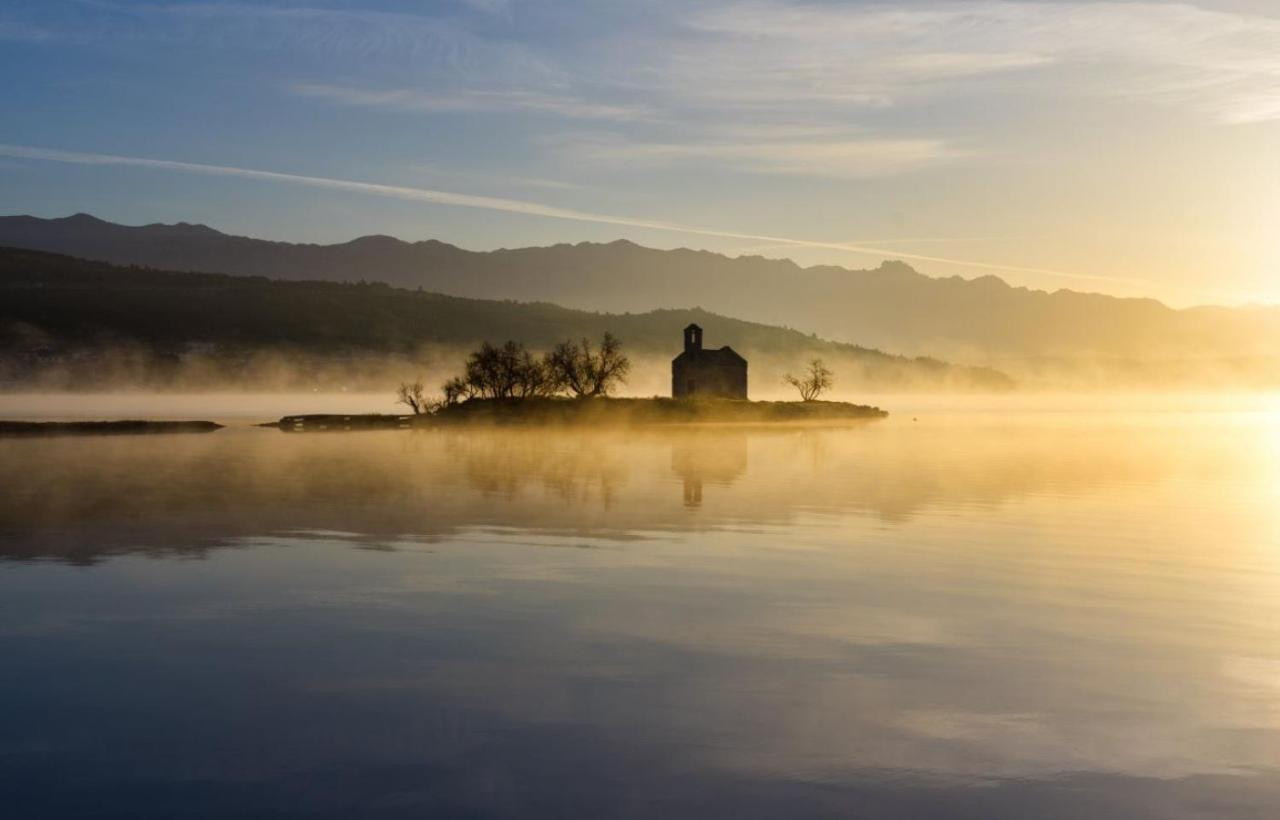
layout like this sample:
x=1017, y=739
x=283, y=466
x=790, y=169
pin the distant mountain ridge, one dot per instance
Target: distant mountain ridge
x=91, y=321
x=893, y=307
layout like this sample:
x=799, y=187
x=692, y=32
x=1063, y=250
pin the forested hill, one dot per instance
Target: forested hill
x=55, y=307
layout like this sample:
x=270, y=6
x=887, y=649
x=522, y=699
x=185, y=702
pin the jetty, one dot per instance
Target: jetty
x=131, y=427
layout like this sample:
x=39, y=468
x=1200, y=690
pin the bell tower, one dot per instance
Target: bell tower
x=692, y=339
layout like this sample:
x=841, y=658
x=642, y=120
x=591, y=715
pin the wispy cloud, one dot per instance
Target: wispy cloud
x=896, y=240
x=491, y=178
x=411, y=99
x=488, y=6
x=508, y=206
x=789, y=54
x=353, y=37
x=707, y=60
x=13, y=30
x=818, y=156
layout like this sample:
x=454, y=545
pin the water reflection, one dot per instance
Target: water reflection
x=715, y=456
x=576, y=469
x=80, y=499
x=1031, y=618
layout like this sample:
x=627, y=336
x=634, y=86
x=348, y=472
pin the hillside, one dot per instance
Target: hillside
x=101, y=321
x=892, y=307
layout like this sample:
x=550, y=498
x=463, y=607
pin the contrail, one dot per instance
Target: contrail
x=511, y=206
x=910, y=240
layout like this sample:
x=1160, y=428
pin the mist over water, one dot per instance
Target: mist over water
x=106, y=370
x=991, y=608
x=237, y=407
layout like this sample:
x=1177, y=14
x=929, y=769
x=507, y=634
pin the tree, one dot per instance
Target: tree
x=456, y=389
x=814, y=383
x=585, y=372
x=534, y=377
x=506, y=372
x=414, y=395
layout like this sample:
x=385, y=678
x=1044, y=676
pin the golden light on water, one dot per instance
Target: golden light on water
x=1030, y=568
x=1271, y=442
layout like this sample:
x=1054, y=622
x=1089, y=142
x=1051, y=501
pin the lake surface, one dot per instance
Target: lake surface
x=993, y=611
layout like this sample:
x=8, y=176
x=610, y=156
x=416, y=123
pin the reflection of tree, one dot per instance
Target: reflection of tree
x=79, y=499
x=575, y=468
x=718, y=457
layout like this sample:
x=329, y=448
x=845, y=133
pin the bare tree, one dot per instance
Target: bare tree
x=506, y=372
x=585, y=372
x=456, y=389
x=566, y=360
x=512, y=372
x=534, y=378
x=414, y=396
x=814, y=383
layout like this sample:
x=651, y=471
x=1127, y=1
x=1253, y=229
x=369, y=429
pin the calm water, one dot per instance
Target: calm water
x=988, y=613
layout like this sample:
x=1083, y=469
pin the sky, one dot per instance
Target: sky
x=1130, y=148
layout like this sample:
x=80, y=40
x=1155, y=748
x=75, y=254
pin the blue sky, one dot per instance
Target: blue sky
x=1125, y=147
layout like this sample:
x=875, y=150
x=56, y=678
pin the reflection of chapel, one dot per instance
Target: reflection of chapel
x=714, y=458
x=701, y=373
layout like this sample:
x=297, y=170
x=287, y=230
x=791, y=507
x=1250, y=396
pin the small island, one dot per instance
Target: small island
x=571, y=385
x=128, y=427
x=602, y=412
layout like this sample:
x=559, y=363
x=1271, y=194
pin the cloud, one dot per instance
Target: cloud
x=487, y=6
x=817, y=154
x=352, y=37
x=410, y=99
x=787, y=55
x=490, y=178
x=702, y=61
x=505, y=205
x=12, y=30
x=748, y=250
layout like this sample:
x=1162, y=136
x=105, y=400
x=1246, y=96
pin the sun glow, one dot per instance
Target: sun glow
x=1273, y=432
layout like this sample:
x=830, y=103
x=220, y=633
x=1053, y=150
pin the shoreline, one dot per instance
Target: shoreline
x=603, y=412
x=127, y=427
x=536, y=412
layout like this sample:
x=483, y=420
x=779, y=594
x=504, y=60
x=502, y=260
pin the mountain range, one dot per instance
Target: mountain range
x=982, y=321
x=73, y=322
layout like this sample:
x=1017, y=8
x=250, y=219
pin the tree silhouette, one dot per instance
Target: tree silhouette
x=413, y=394
x=506, y=372
x=814, y=383
x=585, y=372
x=456, y=389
